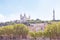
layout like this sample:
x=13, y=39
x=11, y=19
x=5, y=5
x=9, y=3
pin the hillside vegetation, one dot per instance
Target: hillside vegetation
x=51, y=31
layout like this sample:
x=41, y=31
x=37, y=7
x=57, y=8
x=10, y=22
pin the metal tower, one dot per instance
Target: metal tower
x=53, y=14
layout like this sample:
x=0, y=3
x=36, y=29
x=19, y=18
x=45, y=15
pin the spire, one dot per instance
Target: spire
x=53, y=14
x=20, y=15
x=24, y=15
x=29, y=17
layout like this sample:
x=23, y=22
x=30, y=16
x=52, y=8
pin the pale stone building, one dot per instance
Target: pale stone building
x=24, y=18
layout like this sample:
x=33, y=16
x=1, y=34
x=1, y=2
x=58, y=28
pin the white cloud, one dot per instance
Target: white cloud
x=10, y=17
x=2, y=17
x=13, y=16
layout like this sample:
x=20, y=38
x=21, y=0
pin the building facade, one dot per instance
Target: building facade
x=24, y=19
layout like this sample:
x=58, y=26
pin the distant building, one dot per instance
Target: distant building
x=37, y=27
x=24, y=19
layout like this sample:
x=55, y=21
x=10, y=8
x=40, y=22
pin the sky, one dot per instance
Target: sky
x=42, y=9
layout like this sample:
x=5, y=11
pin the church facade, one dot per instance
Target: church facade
x=24, y=19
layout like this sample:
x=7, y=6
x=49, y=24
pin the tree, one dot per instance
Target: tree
x=35, y=35
x=16, y=30
x=7, y=31
x=37, y=20
x=1, y=33
x=21, y=29
x=51, y=31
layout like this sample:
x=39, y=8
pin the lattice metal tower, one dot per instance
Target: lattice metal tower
x=53, y=14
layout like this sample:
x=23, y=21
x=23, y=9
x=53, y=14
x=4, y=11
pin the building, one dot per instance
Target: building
x=32, y=26
x=24, y=19
x=37, y=27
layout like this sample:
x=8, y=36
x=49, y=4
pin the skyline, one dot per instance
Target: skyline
x=42, y=9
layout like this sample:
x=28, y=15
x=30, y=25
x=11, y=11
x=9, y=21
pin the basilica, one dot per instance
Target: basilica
x=24, y=19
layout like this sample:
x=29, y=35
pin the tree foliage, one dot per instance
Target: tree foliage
x=52, y=30
x=17, y=29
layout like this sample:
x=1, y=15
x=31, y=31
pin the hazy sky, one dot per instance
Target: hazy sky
x=42, y=9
